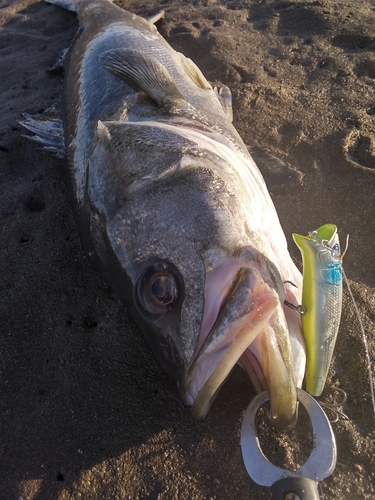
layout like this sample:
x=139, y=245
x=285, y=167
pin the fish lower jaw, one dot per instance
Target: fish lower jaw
x=252, y=367
x=264, y=363
x=211, y=368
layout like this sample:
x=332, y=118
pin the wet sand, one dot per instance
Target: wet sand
x=85, y=411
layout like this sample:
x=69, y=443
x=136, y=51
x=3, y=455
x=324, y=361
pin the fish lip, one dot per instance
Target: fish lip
x=235, y=340
x=282, y=421
x=271, y=352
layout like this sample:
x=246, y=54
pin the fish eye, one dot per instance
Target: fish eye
x=158, y=288
x=163, y=290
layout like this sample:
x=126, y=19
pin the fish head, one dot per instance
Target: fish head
x=243, y=322
x=201, y=286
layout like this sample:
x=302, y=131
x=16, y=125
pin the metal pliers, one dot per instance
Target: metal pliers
x=301, y=484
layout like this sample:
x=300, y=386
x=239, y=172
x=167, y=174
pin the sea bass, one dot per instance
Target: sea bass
x=174, y=211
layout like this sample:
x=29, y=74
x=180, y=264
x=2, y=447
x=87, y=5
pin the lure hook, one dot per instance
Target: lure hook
x=334, y=406
x=300, y=309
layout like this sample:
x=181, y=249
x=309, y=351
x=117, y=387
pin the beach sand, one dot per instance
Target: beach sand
x=85, y=410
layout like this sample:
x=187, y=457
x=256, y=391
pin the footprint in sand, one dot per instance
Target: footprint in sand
x=360, y=148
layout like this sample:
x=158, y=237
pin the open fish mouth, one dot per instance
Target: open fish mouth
x=243, y=322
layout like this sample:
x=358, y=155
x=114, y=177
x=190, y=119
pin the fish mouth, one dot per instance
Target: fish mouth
x=243, y=322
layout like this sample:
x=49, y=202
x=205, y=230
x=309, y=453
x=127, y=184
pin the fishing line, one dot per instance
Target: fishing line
x=364, y=339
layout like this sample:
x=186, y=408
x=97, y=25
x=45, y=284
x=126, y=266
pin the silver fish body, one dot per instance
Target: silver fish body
x=175, y=212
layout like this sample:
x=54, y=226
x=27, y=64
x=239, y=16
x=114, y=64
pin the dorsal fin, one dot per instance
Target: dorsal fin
x=142, y=72
x=194, y=73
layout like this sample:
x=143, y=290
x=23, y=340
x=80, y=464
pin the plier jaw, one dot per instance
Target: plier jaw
x=301, y=484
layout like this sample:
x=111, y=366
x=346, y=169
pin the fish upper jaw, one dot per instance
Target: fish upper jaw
x=249, y=319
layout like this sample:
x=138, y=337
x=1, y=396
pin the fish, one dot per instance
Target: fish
x=321, y=301
x=175, y=213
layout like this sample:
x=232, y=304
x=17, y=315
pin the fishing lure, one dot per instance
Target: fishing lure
x=321, y=301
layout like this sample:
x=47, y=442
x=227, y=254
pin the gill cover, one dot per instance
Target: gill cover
x=322, y=301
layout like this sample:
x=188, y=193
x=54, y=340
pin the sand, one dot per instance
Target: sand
x=85, y=410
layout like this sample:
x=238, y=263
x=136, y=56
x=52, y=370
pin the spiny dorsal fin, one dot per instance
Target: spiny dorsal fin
x=192, y=70
x=142, y=72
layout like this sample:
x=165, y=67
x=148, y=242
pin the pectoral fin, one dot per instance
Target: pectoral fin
x=144, y=73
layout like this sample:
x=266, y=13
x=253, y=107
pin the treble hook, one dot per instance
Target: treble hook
x=333, y=407
x=300, y=309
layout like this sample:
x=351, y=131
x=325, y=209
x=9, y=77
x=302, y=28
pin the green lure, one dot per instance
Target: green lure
x=321, y=301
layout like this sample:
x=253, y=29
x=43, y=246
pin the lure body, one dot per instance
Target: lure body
x=321, y=300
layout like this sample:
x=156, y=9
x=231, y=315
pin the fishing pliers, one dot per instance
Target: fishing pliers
x=301, y=484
